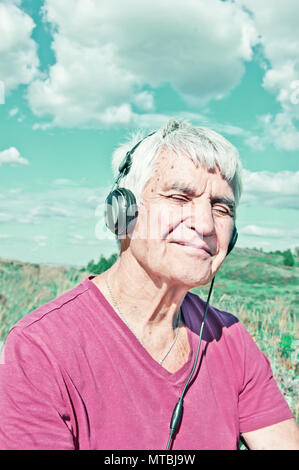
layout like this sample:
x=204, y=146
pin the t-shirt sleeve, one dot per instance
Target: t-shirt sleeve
x=261, y=403
x=31, y=402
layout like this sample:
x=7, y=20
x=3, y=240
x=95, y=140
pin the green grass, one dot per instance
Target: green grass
x=254, y=286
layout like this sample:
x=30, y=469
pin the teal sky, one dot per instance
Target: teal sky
x=78, y=78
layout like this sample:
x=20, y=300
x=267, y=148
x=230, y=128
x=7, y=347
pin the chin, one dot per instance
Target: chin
x=189, y=279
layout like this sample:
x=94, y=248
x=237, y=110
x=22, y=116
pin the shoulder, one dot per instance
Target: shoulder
x=217, y=321
x=51, y=332
x=55, y=312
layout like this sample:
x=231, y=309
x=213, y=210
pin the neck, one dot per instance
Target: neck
x=146, y=299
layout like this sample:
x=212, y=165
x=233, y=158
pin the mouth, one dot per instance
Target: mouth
x=193, y=247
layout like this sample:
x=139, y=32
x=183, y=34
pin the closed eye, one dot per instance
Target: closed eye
x=221, y=209
x=178, y=198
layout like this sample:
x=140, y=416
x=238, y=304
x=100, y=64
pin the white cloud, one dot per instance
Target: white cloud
x=40, y=241
x=278, y=26
x=279, y=189
x=46, y=210
x=18, y=52
x=107, y=54
x=144, y=101
x=268, y=235
x=12, y=156
x=77, y=236
x=257, y=231
x=268, y=232
x=13, y=112
x=57, y=204
x=15, y=190
x=2, y=92
x=40, y=237
x=5, y=217
x=281, y=130
x=57, y=219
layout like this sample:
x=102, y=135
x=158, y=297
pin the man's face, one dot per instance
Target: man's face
x=185, y=222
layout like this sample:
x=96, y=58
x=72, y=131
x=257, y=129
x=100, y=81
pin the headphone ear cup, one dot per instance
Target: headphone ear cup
x=120, y=211
x=233, y=240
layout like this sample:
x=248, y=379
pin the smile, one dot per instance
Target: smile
x=192, y=247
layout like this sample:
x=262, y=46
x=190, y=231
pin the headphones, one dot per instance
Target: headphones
x=121, y=207
x=120, y=210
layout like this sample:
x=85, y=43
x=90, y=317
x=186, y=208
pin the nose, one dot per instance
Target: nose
x=201, y=219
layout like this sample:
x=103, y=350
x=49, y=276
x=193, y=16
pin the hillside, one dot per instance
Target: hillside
x=250, y=273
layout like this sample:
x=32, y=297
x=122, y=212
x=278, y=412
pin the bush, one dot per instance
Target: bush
x=288, y=258
x=102, y=265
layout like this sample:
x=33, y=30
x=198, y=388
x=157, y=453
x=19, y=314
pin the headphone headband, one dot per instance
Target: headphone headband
x=121, y=207
x=126, y=163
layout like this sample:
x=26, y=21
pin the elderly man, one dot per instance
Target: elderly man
x=103, y=366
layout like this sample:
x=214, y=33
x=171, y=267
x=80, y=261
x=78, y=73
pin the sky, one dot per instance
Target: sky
x=78, y=77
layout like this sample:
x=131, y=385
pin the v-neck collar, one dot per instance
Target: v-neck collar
x=176, y=377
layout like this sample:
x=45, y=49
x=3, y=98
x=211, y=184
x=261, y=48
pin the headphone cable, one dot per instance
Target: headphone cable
x=178, y=409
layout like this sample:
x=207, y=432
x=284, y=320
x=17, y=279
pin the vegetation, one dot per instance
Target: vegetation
x=102, y=265
x=288, y=258
x=259, y=288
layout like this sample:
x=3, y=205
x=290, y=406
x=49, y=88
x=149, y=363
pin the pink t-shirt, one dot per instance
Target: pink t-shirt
x=73, y=376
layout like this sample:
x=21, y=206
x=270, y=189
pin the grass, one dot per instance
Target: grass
x=263, y=294
x=24, y=287
x=256, y=287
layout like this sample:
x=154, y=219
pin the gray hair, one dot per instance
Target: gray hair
x=204, y=146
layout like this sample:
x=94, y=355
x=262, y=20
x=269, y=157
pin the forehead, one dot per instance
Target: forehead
x=179, y=172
